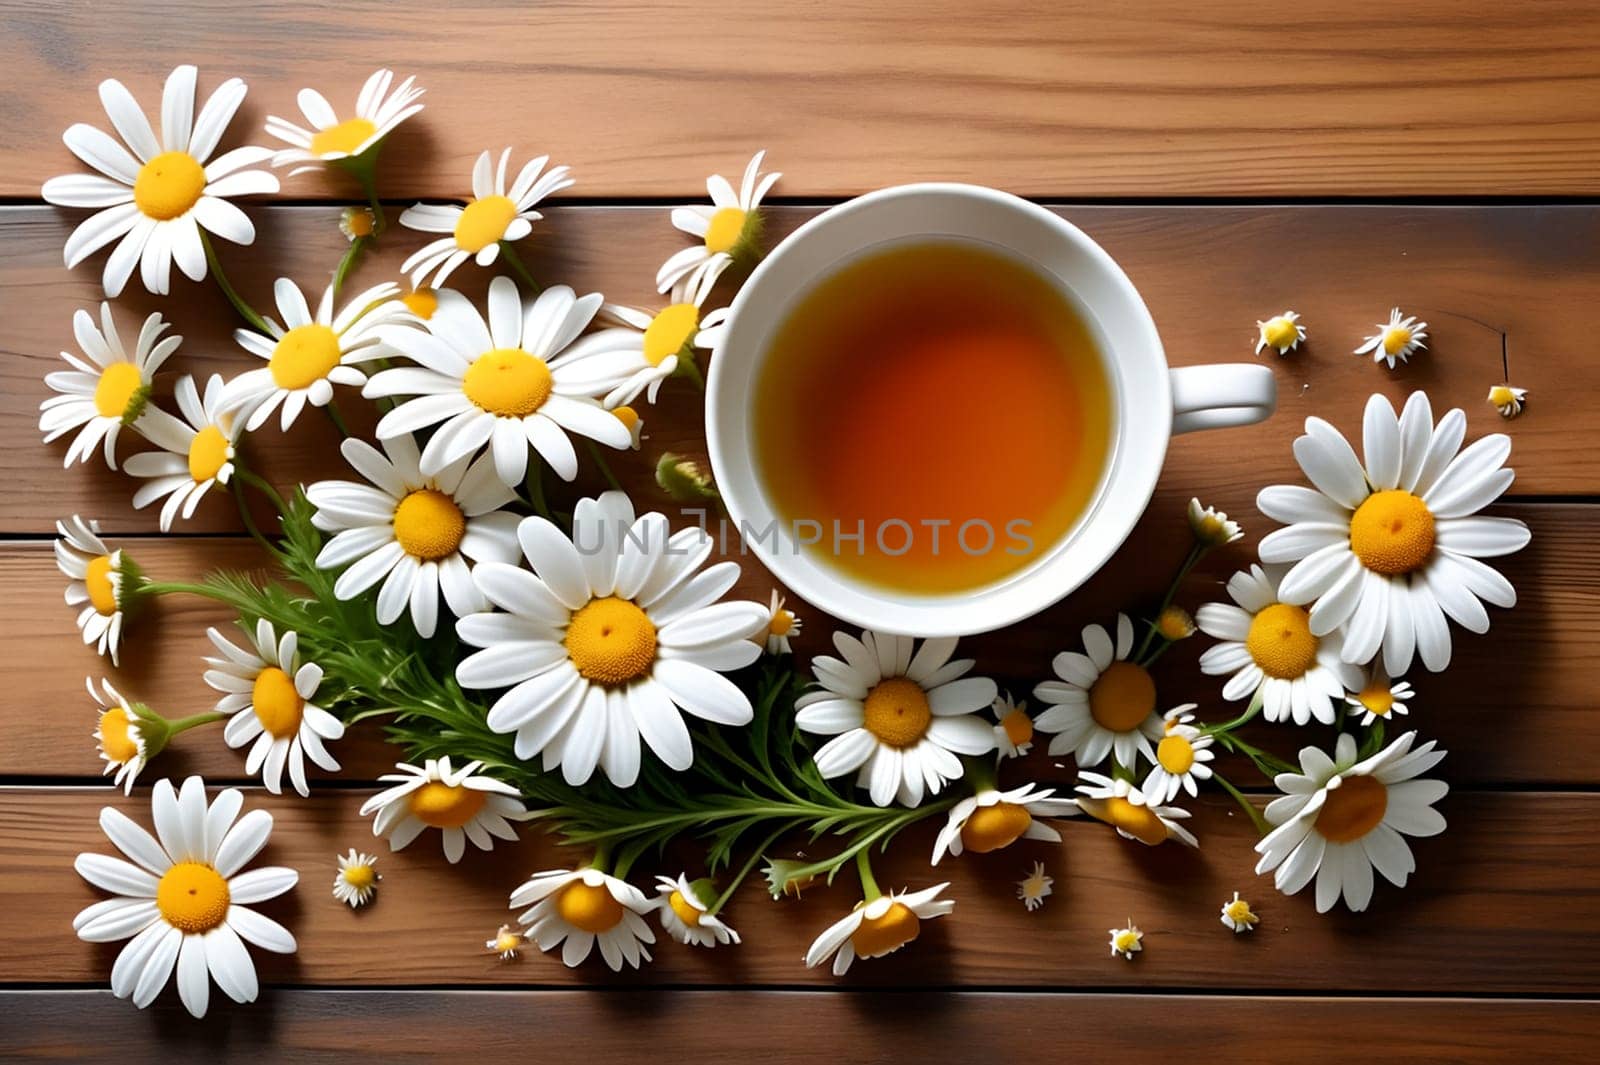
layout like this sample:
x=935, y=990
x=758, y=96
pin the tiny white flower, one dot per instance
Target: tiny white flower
x=1398, y=339
x=1034, y=888
x=357, y=880
x=1282, y=332
x=1126, y=942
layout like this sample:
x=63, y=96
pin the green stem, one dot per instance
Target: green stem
x=755, y=856
x=1195, y=554
x=1250, y=712
x=245, y=516
x=1262, y=828
x=605, y=467
x=369, y=185
x=535, y=485
x=245, y=310
x=517, y=266
x=184, y=724
x=687, y=367
x=338, y=420
x=205, y=591
x=869, y=886
x=348, y=263
x=264, y=487
x=602, y=856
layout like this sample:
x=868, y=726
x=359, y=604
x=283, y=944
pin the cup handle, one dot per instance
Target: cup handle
x=1221, y=396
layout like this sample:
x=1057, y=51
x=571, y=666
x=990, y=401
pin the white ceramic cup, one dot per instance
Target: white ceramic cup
x=1152, y=401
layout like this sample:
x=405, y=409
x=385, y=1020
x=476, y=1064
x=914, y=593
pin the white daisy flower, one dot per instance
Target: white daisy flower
x=728, y=227
x=582, y=908
x=993, y=819
x=1034, y=888
x=1013, y=730
x=1211, y=526
x=459, y=803
x=99, y=582
x=356, y=882
x=879, y=927
x=160, y=197
x=117, y=736
x=685, y=912
x=1182, y=757
x=1237, y=916
x=268, y=690
x=1399, y=338
x=1507, y=400
x=183, y=900
x=783, y=626
x=508, y=382
x=106, y=390
x=413, y=533
x=507, y=942
x=494, y=214
x=1339, y=819
x=1103, y=703
x=899, y=715
x=632, y=422
x=1283, y=333
x=1378, y=698
x=1126, y=809
x=1126, y=942
x=330, y=140
x=198, y=451
x=1268, y=646
x=1388, y=551
x=646, y=349
x=614, y=636
x=309, y=354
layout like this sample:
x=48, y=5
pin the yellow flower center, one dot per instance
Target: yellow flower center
x=1501, y=395
x=360, y=877
x=102, y=590
x=992, y=827
x=429, y=525
x=1280, y=641
x=1122, y=697
x=357, y=222
x=507, y=942
x=1395, y=339
x=278, y=705
x=1018, y=727
x=724, y=230
x=305, y=354
x=483, y=222
x=611, y=641
x=1377, y=697
x=1140, y=822
x=118, y=387
x=507, y=382
x=685, y=909
x=670, y=331
x=1238, y=911
x=440, y=805
x=897, y=712
x=879, y=935
x=209, y=451
x=1175, y=753
x=1392, y=532
x=421, y=302
x=1352, y=809
x=116, y=736
x=1280, y=332
x=1126, y=940
x=589, y=907
x=344, y=138
x=192, y=897
x=168, y=185
x=1175, y=624
x=626, y=415
x=782, y=623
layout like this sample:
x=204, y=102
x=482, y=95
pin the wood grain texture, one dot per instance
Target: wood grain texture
x=869, y=1028
x=1548, y=638
x=1496, y=285
x=1085, y=98
x=1497, y=905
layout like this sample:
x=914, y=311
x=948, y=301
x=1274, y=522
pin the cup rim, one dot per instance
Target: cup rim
x=1140, y=433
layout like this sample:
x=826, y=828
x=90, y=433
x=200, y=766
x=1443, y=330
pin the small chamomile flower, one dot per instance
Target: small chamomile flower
x=1034, y=888
x=873, y=929
x=359, y=137
x=1237, y=916
x=579, y=909
x=196, y=453
x=507, y=942
x=102, y=582
x=458, y=802
x=685, y=912
x=993, y=819
x=1103, y=702
x=1282, y=332
x=1508, y=399
x=783, y=625
x=728, y=228
x=1211, y=526
x=1013, y=730
x=1126, y=809
x=632, y=422
x=1396, y=340
x=1174, y=624
x=107, y=388
x=357, y=880
x=357, y=222
x=1181, y=757
x=1126, y=942
x=118, y=738
x=1379, y=698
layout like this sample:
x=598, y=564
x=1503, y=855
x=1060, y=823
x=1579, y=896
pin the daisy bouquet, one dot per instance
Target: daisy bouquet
x=554, y=658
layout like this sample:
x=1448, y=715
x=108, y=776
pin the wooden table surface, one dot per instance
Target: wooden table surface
x=1237, y=159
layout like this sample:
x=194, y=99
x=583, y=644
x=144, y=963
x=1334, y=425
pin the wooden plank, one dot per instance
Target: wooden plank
x=1490, y=281
x=1547, y=640
x=721, y=1028
x=1491, y=909
x=1369, y=97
